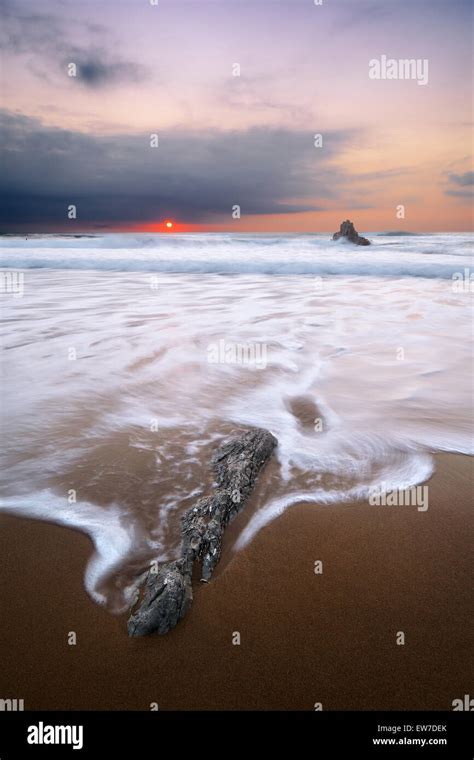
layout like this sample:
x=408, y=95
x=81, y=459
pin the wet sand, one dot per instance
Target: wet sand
x=305, y=637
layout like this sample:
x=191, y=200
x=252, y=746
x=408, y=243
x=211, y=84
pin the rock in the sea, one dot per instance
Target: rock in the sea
x=167, y=594
x=348, y=231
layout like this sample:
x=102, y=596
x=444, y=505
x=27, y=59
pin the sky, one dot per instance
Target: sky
x=124, y=114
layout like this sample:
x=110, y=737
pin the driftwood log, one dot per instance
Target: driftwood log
x=167, y=592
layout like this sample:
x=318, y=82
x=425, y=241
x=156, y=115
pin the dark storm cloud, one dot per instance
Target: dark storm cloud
x=50, y=42
x=192, y=176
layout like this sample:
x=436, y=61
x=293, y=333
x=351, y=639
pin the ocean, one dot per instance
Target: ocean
x=128, y=358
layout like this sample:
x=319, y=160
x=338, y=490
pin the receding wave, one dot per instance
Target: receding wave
x=118, y=386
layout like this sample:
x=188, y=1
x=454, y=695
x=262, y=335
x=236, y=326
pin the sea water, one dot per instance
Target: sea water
x=128, y=358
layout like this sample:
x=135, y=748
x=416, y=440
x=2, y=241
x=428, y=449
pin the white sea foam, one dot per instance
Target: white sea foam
x=413, y=256
x=111, y=539
x=398, y=475
x=385, y=362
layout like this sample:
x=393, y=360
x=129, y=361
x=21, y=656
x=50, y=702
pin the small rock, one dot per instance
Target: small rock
x=348, y=231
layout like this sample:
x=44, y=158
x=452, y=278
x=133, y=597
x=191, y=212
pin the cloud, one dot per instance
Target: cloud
x=94, y=69
x=51, y=42
x=25, y=31
x=462, y=179
x=194, y=176
x=364, y=13
x=460, y=193
x=385, y=174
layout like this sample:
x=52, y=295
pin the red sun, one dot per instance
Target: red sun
x=169, y=225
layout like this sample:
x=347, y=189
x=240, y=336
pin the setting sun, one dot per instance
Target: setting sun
x=169, y=225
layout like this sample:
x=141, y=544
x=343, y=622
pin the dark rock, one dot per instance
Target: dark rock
x=167, y=594
x=348, y=231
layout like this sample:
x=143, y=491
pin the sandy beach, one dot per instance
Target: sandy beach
x=305, y=637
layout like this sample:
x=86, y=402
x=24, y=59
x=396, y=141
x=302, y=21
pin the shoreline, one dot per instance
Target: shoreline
x=305, y=637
